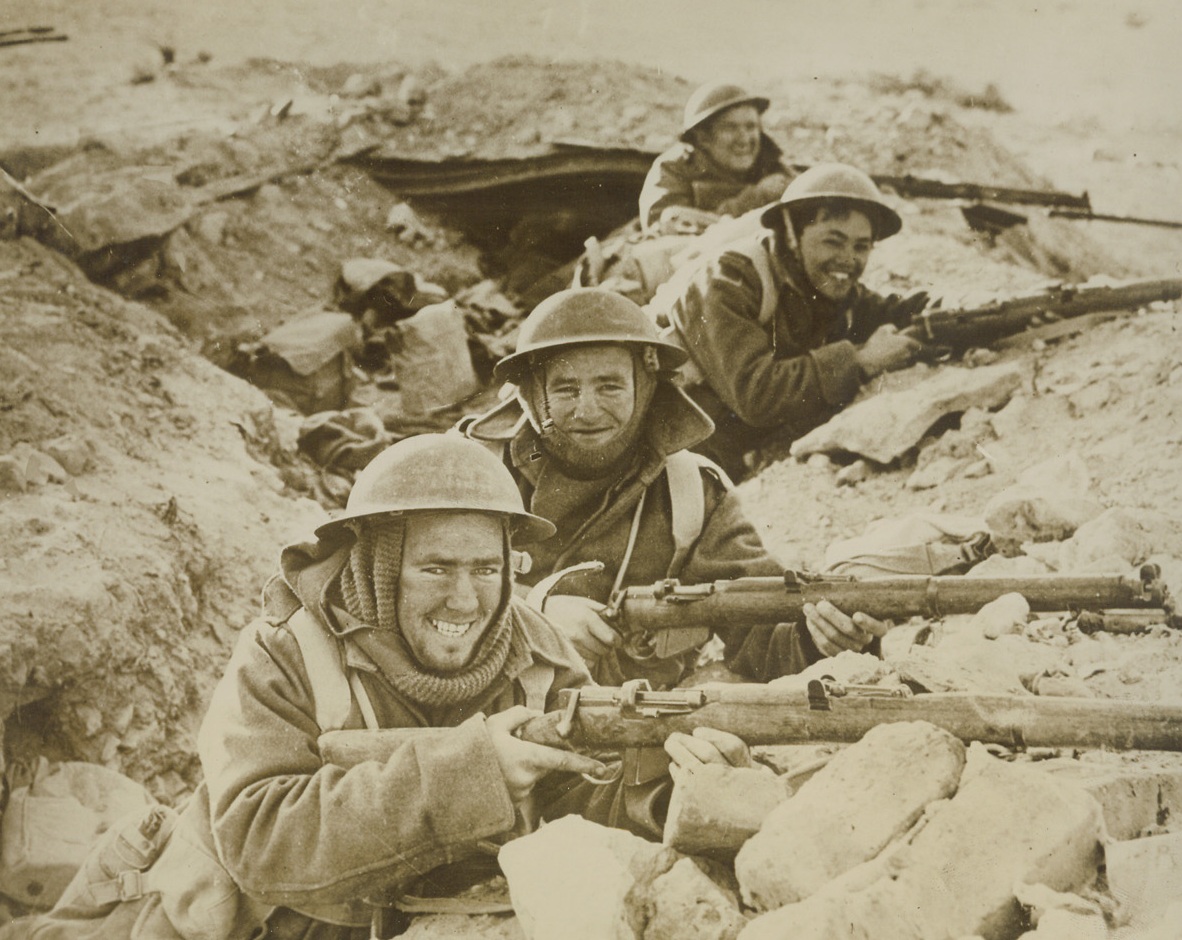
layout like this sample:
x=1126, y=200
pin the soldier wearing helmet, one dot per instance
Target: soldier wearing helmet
x=403, y=608
x=597, y=436
x=399, y=613
x=780, y=331
x=724, y=165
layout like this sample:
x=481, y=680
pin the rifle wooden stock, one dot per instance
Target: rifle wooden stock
x=670, y=605
x=976, y=326
x=614, y=719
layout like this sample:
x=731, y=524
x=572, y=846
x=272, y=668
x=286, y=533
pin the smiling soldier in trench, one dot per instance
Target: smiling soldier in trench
x=398, y=614
x=724, y=165
x=596, y=437
x=780, y=331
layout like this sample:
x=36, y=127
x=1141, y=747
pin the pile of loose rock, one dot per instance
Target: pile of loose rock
x=906, y=834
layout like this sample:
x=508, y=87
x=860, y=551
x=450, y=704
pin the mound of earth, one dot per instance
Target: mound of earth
x=133, y=558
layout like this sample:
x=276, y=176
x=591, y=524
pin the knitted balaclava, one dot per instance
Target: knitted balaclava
x=369, y=589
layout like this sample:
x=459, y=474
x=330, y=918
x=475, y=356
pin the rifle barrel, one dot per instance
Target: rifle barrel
x=761, y=715
x=909, y=186
x=748, y=601
x=766, y=715
x=1088, y=215
x=1007, y=316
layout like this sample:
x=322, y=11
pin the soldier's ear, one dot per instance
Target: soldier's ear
x=652, y=359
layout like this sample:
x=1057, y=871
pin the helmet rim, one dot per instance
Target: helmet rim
x=711, y=99
x=562, y=320
x=438, y=473
x=837, y=181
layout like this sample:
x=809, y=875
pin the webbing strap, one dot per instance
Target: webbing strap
x=333, y=686
x=536, y=681
x=368, y=715
x=633, y=532
x=688, y=504
x=770, y=290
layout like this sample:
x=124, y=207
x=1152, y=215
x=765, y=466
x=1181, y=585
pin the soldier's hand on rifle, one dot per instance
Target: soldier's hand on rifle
x=524, y=763
x=887, y=350
x=705, y=746
x=833, y=631
x=903, y=310
x=685, y=220
x=578, y=618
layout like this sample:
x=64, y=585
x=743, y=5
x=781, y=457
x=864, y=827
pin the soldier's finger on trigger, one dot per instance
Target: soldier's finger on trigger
x=731, y=746
x=577, y=763
x=543, y=760
x=601, y=630
x=677, y=746
x=842, y=624
x=871, y=625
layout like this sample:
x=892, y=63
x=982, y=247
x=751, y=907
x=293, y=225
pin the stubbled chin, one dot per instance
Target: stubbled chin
x=578, y=459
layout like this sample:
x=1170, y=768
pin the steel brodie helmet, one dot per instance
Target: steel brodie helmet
x=712, y=98
x=837, y=181
x=439, y=472
x=584, y=315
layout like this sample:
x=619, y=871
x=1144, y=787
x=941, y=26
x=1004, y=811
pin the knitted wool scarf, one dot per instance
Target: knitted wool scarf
x=369, y=588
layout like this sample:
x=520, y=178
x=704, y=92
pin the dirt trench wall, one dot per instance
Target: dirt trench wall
x=123, y=580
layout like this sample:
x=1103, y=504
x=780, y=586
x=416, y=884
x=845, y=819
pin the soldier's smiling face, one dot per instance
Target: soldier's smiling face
x=731, y=138
x=834, y=248
x=450, y=585
x=591, y=395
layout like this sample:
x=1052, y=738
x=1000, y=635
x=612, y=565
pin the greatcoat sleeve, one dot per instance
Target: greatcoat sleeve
x=718, y=315
x=669, y=183
x=294, y=831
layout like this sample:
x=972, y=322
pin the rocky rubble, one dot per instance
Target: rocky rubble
x=907, y=862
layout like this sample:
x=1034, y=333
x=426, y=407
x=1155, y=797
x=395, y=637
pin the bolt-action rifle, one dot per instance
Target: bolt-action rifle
x=979, y=326
x=918, y=187
x=669, y=617
x=611, y=719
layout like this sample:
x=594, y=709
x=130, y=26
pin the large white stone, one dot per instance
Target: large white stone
x=887, y=425
x=1139, y=793
x=1007, y=824
x=568, y=880
x=866, y=796
x=685, y=904
x=1145, y=876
